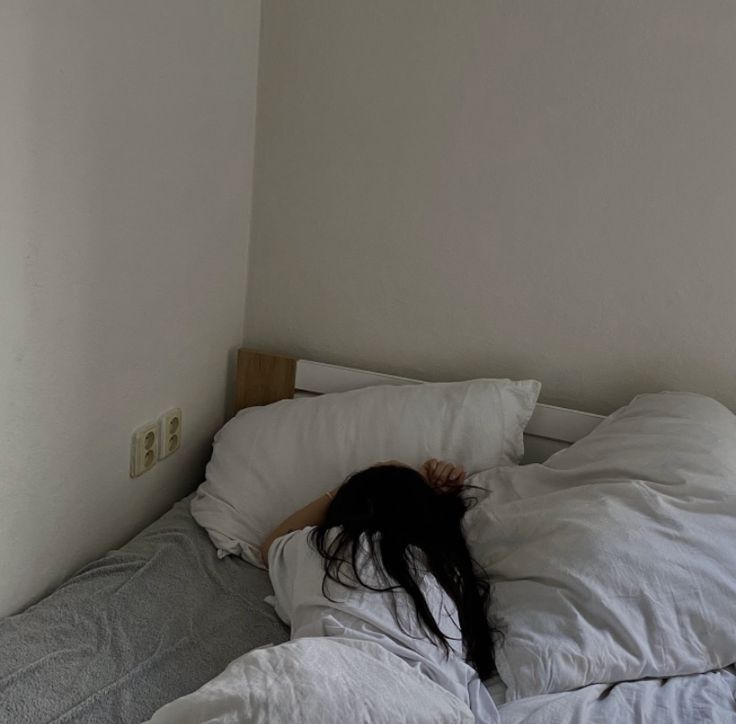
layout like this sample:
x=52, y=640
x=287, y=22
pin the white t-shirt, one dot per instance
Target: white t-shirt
x=388, y=618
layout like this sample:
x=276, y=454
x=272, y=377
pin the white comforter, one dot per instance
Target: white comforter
x=321, y=680
x=697, y=699
x=335, y=681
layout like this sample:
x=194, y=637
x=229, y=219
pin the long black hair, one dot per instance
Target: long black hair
x=411, y=528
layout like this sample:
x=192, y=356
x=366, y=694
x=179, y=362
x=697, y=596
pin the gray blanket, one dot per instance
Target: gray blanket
x=133, y=630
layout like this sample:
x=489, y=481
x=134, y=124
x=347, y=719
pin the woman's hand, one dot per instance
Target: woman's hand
x=441, y=475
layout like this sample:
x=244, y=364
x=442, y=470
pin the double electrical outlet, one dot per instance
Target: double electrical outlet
x=155, y=441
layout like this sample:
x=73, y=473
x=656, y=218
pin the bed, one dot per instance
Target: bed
x=156, y=619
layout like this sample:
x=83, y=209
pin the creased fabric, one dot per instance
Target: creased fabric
x=698, y=699
x=320, y=680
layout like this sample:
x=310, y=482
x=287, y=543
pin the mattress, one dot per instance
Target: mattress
x=134, y=629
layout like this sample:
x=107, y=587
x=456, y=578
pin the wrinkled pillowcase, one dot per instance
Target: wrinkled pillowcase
x=269, y=461
x=615, y=559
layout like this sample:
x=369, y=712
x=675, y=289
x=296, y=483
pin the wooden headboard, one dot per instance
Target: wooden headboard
x=263, y=378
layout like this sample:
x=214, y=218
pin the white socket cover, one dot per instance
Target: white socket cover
x=170, y=432
x=143, y=449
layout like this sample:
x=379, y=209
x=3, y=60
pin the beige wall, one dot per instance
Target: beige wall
x=475, y=187
x=126, y=140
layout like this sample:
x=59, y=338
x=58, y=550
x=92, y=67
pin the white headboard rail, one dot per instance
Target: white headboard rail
x=550, y=428
x=262, y=378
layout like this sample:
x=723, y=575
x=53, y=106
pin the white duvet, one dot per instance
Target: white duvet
x=322, y=680
x=336, y=681
x=613, y=561
x=698, y=699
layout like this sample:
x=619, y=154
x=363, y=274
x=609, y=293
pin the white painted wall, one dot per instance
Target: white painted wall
x=126, y=141
x=486, y=187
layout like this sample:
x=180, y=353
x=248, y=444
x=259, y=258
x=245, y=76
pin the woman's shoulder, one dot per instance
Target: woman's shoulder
x=300, y=534
x=289, y=548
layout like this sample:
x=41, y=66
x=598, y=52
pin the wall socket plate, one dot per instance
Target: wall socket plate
x=169, y=432
x=143, y=449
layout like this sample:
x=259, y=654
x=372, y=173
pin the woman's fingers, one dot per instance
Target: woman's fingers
x=437, y=471
x=444, y=471
x=458, y=473
x=452, y=475
x=442, y=474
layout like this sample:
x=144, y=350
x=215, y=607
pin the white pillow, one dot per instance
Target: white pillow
x=615, y=560
x=269, y=461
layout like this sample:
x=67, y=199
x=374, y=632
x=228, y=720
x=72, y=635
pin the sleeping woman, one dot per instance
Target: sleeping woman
x=383, y=558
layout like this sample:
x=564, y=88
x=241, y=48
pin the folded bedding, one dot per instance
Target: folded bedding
x=133, y=630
